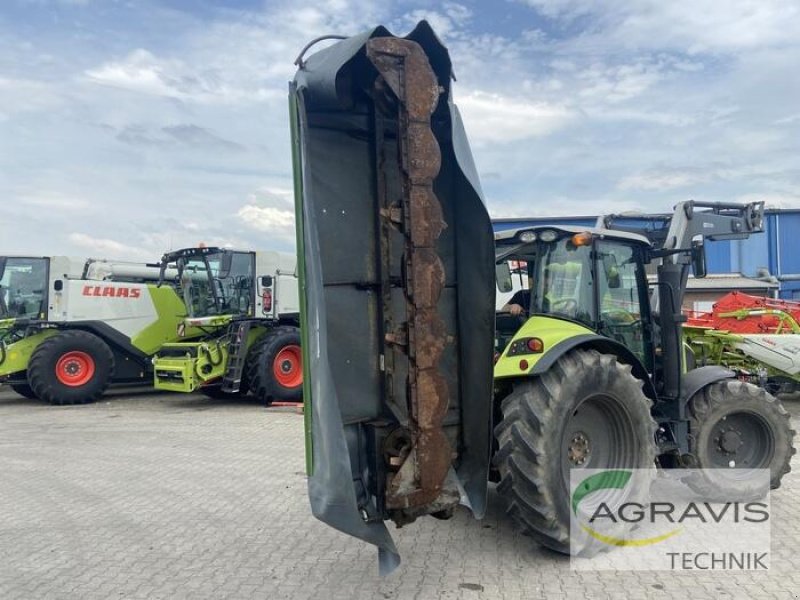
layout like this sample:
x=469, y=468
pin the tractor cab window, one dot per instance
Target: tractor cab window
x=23, y=287
x=620, y=285
x=219, y=283
x=562, y=281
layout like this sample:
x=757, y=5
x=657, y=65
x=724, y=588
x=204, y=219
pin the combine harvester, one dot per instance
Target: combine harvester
x=756, y=337
x=71, y=327
x=252, y=341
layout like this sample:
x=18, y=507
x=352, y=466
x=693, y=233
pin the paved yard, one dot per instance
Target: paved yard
x=169, y=496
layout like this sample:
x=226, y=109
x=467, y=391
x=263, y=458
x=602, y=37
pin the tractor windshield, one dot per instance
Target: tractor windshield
x=23, y=285
x=218, y=283
x=558, y=280
x=562, y=281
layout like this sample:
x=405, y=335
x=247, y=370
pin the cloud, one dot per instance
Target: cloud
x=98, y=247
x=193, y=135
x=666, y=179
x=445, y=22
x=706, y=26
x=139, y=135
x=55, y=200
x=269, y=210
x=154, y=115
x=143, y=72
x=493, y=118
x=18, y=95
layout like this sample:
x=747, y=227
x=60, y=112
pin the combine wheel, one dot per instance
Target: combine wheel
x=73, y=367
x=275, y=366
x=736, y=427
x=587, y=412
x=23, y=389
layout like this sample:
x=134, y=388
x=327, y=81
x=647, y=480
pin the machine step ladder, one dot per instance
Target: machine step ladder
x=237, y=354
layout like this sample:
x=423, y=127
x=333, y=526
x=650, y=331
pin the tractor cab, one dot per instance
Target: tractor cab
x=23, y=287
x=590, y=278
x=214, y=281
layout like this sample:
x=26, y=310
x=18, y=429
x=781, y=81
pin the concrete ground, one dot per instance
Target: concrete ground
x=168, y=496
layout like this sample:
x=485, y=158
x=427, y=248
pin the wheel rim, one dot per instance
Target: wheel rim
x=288, y=367
x=75, y=368
x=599, y=435
x=740, y=441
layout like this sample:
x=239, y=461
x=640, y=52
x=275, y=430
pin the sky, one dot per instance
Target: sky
x=129, y=127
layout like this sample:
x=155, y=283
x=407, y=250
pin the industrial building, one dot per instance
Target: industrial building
x=764, y=265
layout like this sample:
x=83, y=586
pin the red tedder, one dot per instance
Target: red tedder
x=741, y=313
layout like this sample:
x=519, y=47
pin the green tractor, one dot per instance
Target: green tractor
x=428, y=396
x=251, y=338
x=596, y=373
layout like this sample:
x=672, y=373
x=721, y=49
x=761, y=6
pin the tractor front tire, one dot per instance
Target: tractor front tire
x=735, y=427
x=587, y=412
x=73, y=367
x=275, y=366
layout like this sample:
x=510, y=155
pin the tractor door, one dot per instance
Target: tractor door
x=396, y=260
x=623, y=309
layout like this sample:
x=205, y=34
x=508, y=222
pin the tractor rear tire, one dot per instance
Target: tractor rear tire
x=587, y=411
x=275, y=366
x=73, y=367
x=736, y=426
x=23, y=389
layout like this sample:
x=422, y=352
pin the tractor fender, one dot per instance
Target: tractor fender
x=696, y=379
x=603, y=345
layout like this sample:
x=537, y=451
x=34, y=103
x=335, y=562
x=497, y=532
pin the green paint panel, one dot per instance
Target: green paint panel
x=171, y=313
x=202, y=363
x=17, y=355
x=550, y=330
x=301, y=271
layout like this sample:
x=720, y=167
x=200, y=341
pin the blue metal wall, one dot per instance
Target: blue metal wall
x=777, y=249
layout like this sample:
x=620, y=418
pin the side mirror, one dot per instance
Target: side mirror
x=502, y=272
x=612, y=271
x=699, y=260
x=266, y=281
x=58, y=285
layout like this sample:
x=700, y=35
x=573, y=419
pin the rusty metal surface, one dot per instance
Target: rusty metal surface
x=417, y=473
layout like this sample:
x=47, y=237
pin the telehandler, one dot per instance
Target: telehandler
x=407, y=412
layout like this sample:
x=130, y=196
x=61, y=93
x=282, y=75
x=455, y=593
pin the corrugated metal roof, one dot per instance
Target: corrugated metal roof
x=633, y=215
x=725, y=281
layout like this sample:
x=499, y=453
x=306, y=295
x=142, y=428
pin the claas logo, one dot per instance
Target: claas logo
x=108, y=291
